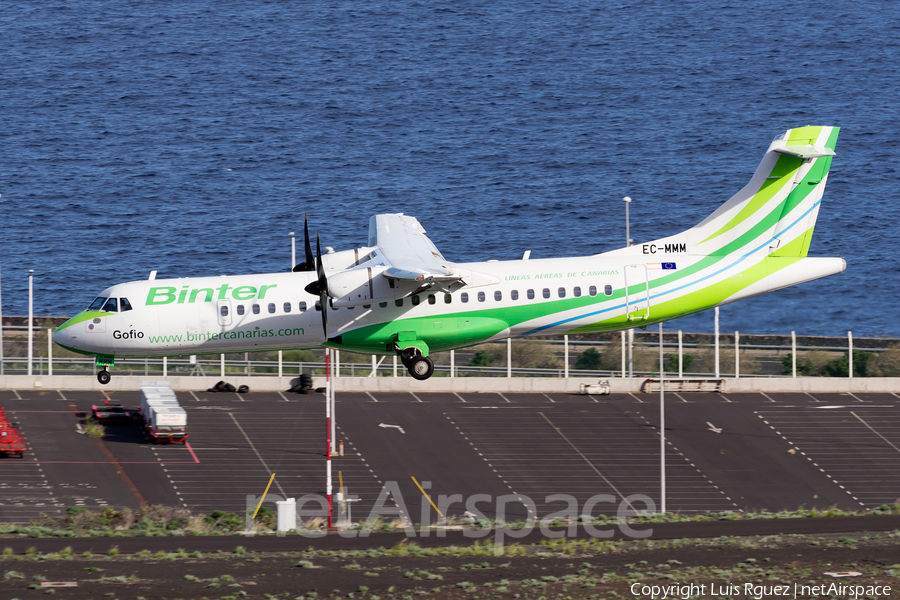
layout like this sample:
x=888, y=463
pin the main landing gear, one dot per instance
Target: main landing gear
x=420, y=367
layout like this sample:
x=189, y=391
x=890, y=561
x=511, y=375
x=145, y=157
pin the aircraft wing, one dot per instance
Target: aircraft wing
x=408, y=253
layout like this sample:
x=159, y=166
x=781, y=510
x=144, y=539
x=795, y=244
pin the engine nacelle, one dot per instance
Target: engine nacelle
x=363, y=285
x=346, y=259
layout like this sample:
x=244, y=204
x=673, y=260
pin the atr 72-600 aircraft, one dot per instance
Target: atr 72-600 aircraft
x=400, y=295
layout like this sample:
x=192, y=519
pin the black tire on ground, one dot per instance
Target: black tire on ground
x=103, y=377
x=229, y=388
x=421, y=368
x=243, y=389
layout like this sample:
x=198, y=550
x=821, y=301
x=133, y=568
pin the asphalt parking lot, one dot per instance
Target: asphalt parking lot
x=723, y=452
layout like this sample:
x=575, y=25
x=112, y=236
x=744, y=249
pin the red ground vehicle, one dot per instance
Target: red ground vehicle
x=12, y=443
x=111, y=413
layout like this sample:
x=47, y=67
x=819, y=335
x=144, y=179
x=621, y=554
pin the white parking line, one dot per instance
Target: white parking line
x=17, y=394
x=258, y=455
x=460, y=397
x=680, y=397
x=502, y=396
x=195, y=396
x=374, y=399
x=767, y=396
x=550, y=399
x=416, y=397
x=61, y=395
x=875, y=432
x=597, y=471
x=283, y=396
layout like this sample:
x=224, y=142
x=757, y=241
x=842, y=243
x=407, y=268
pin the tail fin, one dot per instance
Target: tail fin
x=780, y=204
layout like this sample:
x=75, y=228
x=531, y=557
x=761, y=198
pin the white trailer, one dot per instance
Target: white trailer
x=164, y=418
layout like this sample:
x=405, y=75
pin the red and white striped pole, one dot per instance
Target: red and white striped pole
x=328, y=430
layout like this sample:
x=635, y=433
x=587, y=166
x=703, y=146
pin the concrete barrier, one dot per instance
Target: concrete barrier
x=447, y=384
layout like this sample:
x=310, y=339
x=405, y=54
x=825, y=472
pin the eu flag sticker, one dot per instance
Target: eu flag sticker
x=668, y=266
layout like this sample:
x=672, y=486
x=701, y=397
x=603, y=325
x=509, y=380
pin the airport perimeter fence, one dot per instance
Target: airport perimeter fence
x=602, y=356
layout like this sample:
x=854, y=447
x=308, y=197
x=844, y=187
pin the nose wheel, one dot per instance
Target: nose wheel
x=103, y=376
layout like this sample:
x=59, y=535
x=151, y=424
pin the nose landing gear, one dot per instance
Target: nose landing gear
x=420, y=367
x=104, y=362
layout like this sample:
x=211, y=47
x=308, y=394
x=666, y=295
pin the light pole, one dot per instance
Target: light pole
x=1, y=334
x=293, y=250
x=628, y=240
x=662, y=424
x=30, y=317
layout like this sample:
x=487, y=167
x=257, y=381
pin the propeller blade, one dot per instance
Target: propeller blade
x=323, y=286
x=310, y=263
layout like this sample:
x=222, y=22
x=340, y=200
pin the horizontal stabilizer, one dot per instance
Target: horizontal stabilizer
x=806, y=151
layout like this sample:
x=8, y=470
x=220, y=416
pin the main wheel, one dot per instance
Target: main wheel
x=103, y=377
x=421, y=368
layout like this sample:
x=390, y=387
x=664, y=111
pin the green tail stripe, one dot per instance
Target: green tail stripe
x=785, y=169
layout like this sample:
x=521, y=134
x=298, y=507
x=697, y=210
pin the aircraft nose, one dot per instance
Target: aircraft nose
x=63, y=335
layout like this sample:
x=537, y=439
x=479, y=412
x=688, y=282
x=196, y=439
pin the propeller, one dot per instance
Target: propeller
x=320, y=286
x=309, y=264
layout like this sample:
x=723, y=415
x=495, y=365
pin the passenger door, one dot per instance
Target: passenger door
x=637, y=293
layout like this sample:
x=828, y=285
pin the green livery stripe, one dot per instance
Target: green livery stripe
x=804, y=136
x=85, y=315
x=704, y=298
x=785, y=169
x=832, y=139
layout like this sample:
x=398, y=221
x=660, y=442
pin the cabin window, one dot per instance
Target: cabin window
x=240, y=309
x=256, y=309
x=382, y=304
x=464, y=297
x=481, y=296
x=562, y=292
x=576, y=292
x=224, y=310
x=415, y=300
x=498, y=295
x=287, y=307
x=607, y=290
x=111, y=306
x=399, y=302
x=303, y=307
x=318, y=305
x=97, y=304
x=271, y=308
x=592, y=290
x=124, y=304
x=514, y=294
x=431, y=299
x=448, y=298
x=546, y=292
x=531, y=294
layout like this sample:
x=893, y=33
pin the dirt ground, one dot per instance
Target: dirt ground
x=563, y=569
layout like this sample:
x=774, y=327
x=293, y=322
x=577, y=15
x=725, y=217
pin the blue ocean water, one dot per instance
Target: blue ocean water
x=191, y=137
